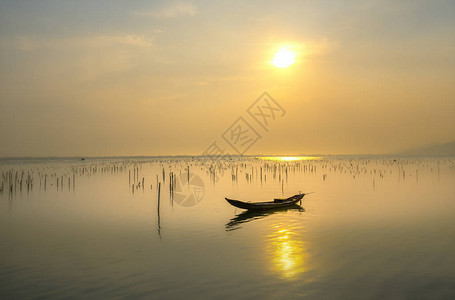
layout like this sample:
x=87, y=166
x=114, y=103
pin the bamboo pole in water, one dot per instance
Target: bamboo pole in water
x=158, y=209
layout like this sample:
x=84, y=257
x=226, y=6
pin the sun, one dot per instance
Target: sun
x=283, y=58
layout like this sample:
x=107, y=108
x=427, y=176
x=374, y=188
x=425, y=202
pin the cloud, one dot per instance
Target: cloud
x=29, y=43
x=127, y=39
x=58, y=63
x=171, y=12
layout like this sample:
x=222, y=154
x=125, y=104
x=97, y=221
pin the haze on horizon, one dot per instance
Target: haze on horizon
x=105, y=78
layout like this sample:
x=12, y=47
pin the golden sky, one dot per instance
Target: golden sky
x=102, y=78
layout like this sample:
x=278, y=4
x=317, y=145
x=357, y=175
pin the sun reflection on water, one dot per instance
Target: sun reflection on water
x=289, y=158
x=286, y=251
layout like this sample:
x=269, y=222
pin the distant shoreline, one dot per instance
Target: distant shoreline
x=84, y=158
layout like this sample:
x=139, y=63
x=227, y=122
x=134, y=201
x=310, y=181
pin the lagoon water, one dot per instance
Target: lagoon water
x=374, y=228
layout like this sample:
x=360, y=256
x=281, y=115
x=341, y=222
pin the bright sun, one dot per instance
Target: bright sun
x=283, y=58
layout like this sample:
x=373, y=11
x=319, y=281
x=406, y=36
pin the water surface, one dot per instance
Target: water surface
x=375, y=227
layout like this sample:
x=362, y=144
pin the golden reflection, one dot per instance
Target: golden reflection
x=286, y=252
x=289, y=158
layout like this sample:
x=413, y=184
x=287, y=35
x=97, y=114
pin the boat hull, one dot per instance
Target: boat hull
x=266, y=205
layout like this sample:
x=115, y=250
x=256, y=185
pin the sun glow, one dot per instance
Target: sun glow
x=289, y=158
x=283, y=58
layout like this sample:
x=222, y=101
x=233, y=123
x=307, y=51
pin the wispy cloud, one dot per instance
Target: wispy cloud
x=74, y=60
x=171, y=12
x=27, y=43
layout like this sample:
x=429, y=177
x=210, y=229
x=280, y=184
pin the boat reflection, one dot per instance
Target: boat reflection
x=248, y=216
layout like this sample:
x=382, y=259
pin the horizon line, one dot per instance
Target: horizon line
x=220, y=156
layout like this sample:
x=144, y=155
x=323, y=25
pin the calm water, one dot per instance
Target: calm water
x=374, y=228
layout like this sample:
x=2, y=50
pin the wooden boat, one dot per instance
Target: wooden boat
x=276, y=203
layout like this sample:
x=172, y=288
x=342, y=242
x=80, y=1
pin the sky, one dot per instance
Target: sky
x=111, y=78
